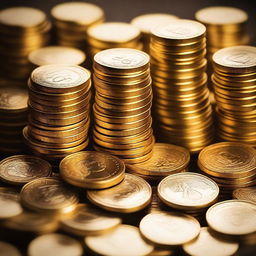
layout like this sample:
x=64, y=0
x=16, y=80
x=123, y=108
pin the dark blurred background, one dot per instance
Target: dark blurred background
x=125, y=10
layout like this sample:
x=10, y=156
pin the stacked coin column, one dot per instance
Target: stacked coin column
x=22, y=30
x=122, y=109
x=183, y=114
x=234, y=82
x=58, y=111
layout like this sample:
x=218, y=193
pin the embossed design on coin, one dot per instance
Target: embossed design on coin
x=122, y=58
x=185, y=190
x=48, y=195
x=247, y=194
x=21, y=169
x=131, y=195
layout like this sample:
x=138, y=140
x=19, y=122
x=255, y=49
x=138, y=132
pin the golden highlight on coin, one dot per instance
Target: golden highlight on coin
x=247, y=194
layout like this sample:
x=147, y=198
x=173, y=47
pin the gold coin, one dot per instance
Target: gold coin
x=9, y=203
x=56, y=55
x=236, y=59
x=146, y=22
x=32, y=222
x=201, y=245
x=21, y=169
x=55, y=244
x=48, y=195
x=169, y=228
x=91, y=169
x=60, y=78
x=247, y=194
x=79, y=13
x=114, y=243
x=228, y=159
x=187, y=191
x=13, y=98
x=87, y=220
x=232, y=217
x=131, y=195
x=167, y=159
x=9, y=249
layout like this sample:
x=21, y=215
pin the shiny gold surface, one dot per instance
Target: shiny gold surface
x=247, y=194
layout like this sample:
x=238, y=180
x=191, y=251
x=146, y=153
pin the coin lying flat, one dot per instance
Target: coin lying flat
x=54, y=244
x=7, y=249
x=232, y=217
x=9, y=203
x=87, y=220
x=56, y=55
x=166, y=159
x=21, y=169
x=48, y=195
x=91, y=169
x=125, y=240
x=228, y=159
x=247, y=194
x=188, y=191
x=132, y=194
x=203, y=244
x=169, y=228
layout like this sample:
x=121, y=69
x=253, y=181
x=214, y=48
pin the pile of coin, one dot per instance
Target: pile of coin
x=13, y=117
x=191, y=193
x=113, y=35
x=71, y=21
x=59, y=106
x=146, y=22
x=166, y=159
x=232, y=165
x=234, y=83
x=233, y=220
x=22, y=30
x=56, y=55
x=122, y=108
x=182, y=109
x=226, y=26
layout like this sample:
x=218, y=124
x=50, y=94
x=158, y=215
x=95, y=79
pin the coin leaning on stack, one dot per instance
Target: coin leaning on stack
x=183, y=114
x=234, y=83
x=22, y=30
x=13, y=118
x=72, y=19
x=59, y=98
x=122, y=108
x=146, y=22
x=231, y=165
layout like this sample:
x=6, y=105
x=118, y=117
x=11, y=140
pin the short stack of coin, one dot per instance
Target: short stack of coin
x=113, y=35
x=13, y=117
x=59, y=99
x=22, y=30
x=226, y=26
x=56, y=55
x=234, y=83
x=122, y=109
x=71, y=21
x=183, y=113
x=232, y=165
x=146, y=22
x=166, y=159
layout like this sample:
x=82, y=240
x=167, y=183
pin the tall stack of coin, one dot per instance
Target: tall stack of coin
x=71, y=21
x=146, y=22
x=122, y=109
x=234, y=83
x=113, y=35
x=22, y=30
x=226, y=26
x=232, y=165
x=56, y=55
x=59, y=99
x=182, y=109
x=13, y=118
